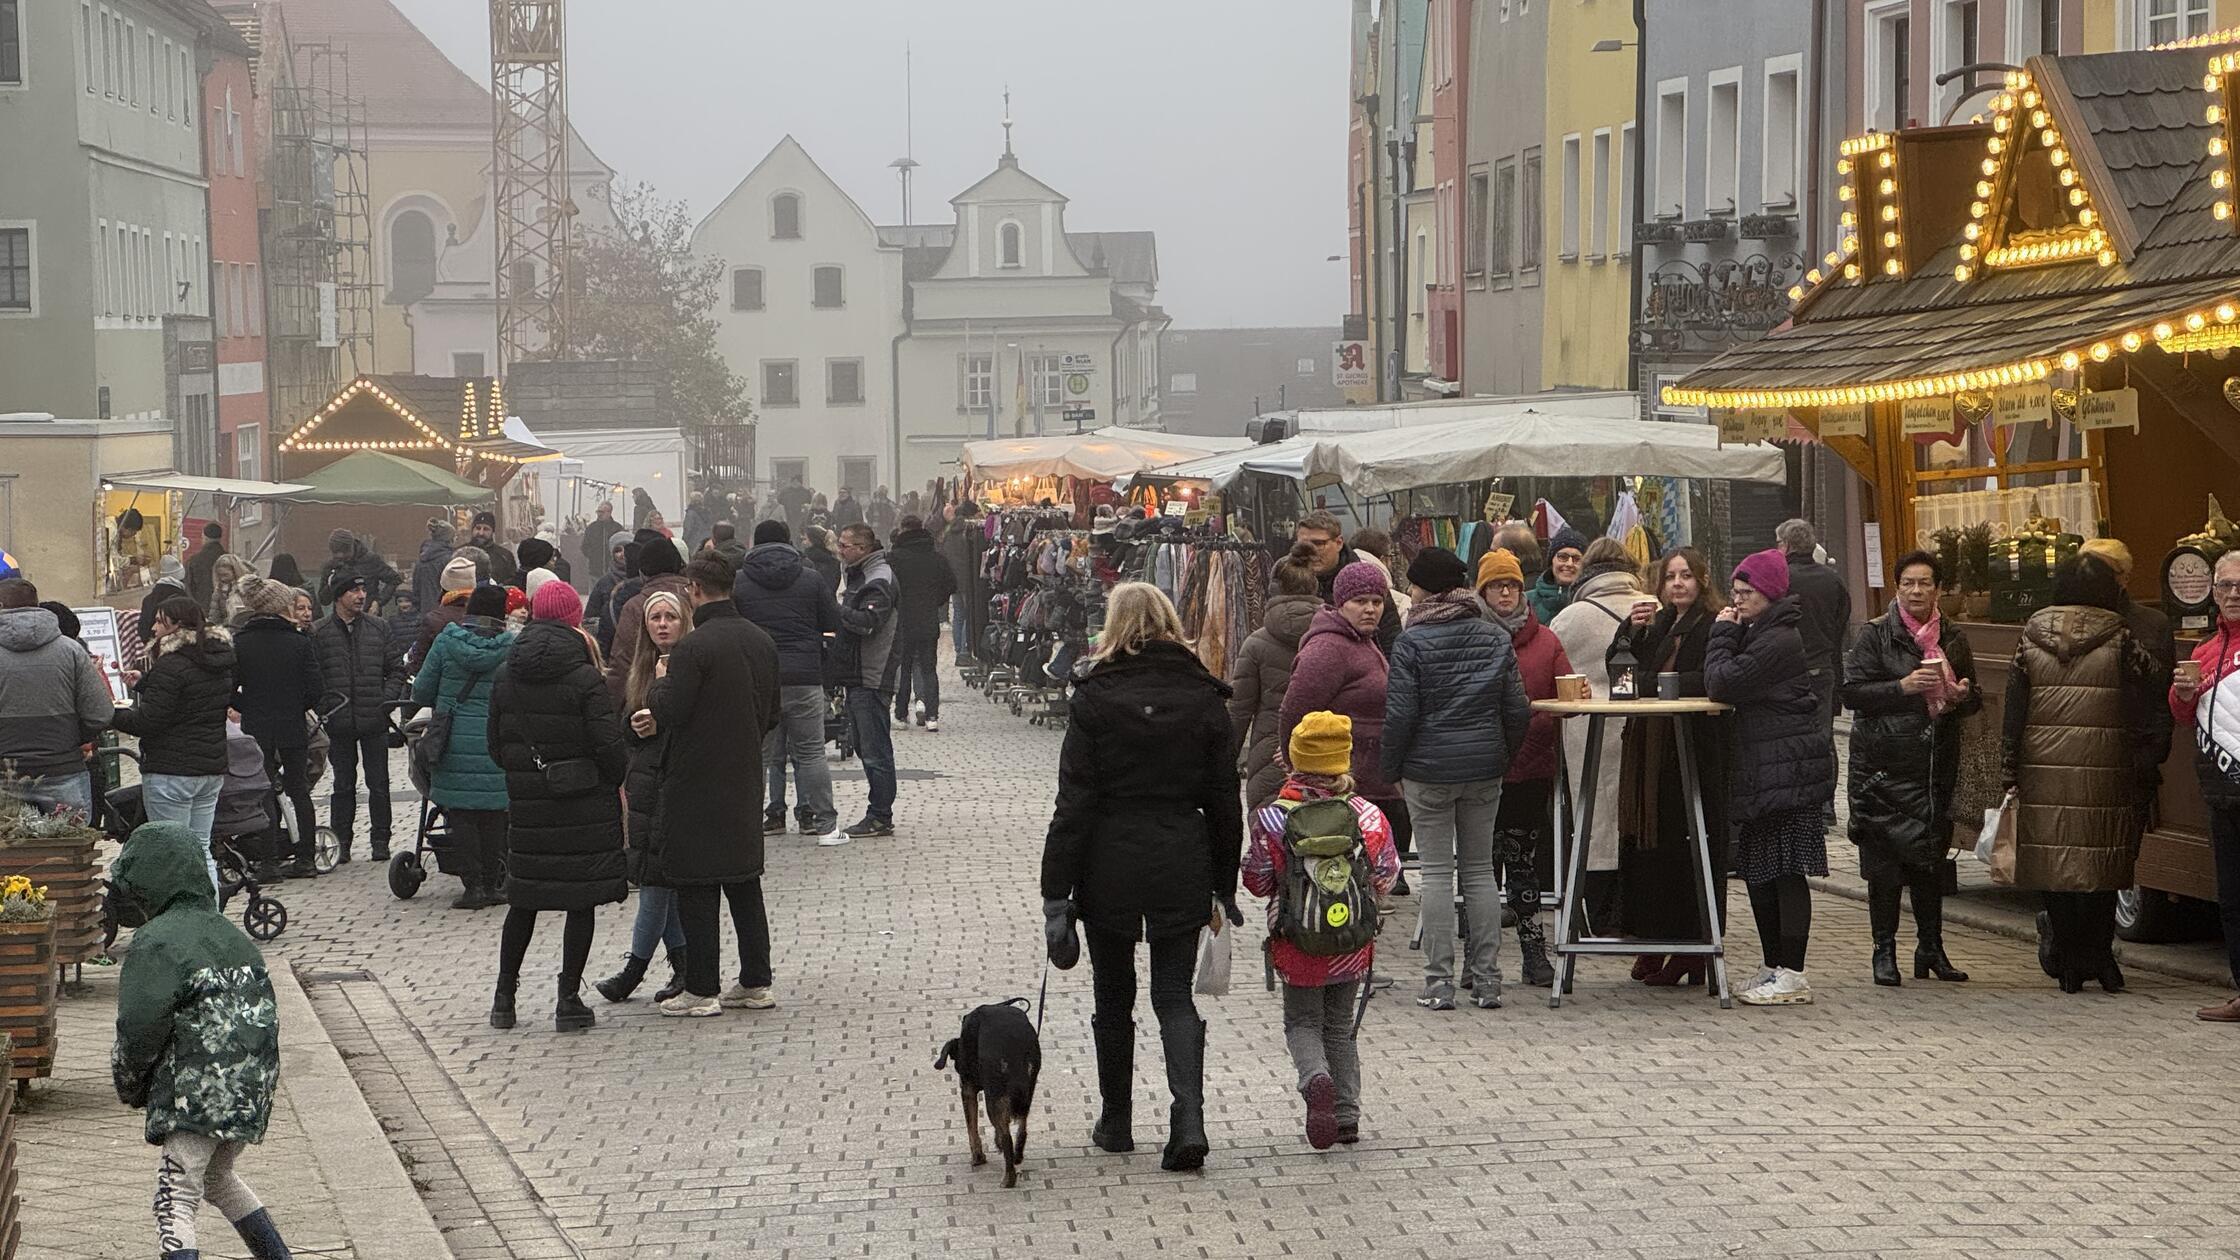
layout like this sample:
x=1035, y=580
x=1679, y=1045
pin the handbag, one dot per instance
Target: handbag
x=435, y=740
x=1995, y=844
x=568, y=776
x=1213, y=963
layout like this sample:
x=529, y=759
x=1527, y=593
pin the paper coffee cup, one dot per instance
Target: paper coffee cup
x=2189, y=673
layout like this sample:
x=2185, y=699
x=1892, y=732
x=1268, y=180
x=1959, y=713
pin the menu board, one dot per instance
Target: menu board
x=1848, y=421
x=97, y=626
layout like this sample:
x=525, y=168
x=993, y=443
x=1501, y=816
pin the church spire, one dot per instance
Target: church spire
x=1009, y=158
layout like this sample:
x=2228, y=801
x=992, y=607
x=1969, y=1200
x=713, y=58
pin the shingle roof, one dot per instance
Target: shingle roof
x=1128, y=257
x=404, y=79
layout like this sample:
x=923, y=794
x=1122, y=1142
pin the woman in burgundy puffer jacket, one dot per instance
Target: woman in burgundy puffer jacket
x=1340, y=669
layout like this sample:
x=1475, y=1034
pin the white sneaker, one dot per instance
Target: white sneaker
x=755, y=999
x=1787, y=988
x=933, y=726
x=833, y=839
x=918, y=712
x=687, y=1006
x=1765, y=975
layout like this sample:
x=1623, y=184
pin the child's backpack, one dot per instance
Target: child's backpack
x=1327, y=905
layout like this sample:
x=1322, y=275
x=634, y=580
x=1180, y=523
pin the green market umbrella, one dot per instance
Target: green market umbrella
x=378, y=478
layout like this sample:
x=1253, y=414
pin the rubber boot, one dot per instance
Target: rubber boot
x=1532, y=945
x=619, y=986
x=257, y=1230
x=501, y=1006
x=1185, y=1043
x=569, y=1014
x=676, y=976
x=1116, y=1076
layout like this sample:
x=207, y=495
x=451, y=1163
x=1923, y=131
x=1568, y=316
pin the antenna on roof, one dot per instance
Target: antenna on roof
x=907, y=163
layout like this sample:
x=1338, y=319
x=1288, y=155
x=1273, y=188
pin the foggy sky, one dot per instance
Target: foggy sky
x=1218, y=124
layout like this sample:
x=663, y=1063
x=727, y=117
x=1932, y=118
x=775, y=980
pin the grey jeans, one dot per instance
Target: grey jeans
x=1455, y=824
x=799, y=738
x=1318, y=1028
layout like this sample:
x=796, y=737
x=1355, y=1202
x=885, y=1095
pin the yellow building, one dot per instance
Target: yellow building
x=1587, y=307
x=2118, y=25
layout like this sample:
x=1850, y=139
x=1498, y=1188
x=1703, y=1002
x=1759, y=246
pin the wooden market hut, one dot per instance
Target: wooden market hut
x=452, y=423
x=2034, y=313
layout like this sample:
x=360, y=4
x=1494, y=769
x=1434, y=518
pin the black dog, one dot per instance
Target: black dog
x=997, y=1054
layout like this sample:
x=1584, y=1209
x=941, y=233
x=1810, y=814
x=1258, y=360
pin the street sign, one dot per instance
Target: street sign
x=1079, y=414
x=1351, y=366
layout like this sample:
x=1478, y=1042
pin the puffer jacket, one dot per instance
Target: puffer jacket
x=1148, y=828
x=552, y=704
x=198, y=1031
x=181, y=714
x=462, y=673
x=1340, y=670
x=1454, y=703
x=923, y=583
x=2078, y=696
x=381, y=580
x=1257, y=684
x=784, y=594
x=361, y=669
x=2214, y=716
x=867, y=623
x=1599, y=603
x=277, y=680
x=1540, y=659
x=52, y=696
x=1784, y=757
x=1904, y=764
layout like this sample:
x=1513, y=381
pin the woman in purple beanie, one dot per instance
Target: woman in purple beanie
x=1784, y=768
x=1340, y=669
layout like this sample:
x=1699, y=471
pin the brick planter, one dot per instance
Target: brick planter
x=71, y=872
x=28, y=976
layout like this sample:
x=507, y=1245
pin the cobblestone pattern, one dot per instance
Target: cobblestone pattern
x=1993, y=1118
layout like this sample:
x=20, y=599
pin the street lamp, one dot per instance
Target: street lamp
x=1613, y=45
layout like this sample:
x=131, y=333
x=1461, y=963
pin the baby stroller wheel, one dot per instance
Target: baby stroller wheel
x=405, y=875
x=265, y=918
x=327, y=850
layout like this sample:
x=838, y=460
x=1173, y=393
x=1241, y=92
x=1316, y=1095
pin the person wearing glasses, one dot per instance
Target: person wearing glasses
x=1909, y=680
x=2206, y=697
x=1321, y=531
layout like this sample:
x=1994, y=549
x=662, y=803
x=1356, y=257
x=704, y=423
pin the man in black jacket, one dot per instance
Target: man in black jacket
x=362, y=672
x=596, y=546
x=202, y=579
x=923, y=583
x=427, y=571
x=785, y=595
x=961, y=545
x=483, y=532
x=1322, y=531
x=718, y=684
x=350, y=560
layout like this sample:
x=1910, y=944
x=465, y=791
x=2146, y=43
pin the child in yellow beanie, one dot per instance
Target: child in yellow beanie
x=1318, y=987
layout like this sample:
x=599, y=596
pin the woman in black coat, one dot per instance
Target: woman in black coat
x=278, y=683
x=1784, y=769
x=554, y=731
x=1144, y=843
x=1908, y=680
x=180, y=716
x=1656, y=850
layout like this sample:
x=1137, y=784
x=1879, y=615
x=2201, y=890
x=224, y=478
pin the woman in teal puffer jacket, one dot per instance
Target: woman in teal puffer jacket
x=457, y=678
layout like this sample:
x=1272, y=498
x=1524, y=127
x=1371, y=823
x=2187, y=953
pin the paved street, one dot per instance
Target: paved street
x=1997, y=1117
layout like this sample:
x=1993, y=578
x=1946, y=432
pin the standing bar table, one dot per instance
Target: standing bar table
x=1571, y=856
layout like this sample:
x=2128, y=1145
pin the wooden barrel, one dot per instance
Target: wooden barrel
x=28, y=972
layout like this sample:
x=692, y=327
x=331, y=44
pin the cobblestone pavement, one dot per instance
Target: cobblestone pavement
x=1992, y=1118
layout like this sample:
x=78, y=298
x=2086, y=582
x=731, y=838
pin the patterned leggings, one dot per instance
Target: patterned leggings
x=194, y=1168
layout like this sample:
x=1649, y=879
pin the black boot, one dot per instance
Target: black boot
x=570, y=1014
x=501, y=1006
x=1929, y=960
x=676, y=976
x=257, y=1230
x=1928, y=923
x=1116, y=1074
x=619, y=986
x=1532, y=944
x=471, y=896
x=1185, y=1043
x=1882, y=924
x=1886, y=962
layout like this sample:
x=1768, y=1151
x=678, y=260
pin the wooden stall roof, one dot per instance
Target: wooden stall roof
x=2136, y=125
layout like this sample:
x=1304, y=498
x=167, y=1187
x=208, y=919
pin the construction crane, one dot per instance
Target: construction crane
x=529, y=177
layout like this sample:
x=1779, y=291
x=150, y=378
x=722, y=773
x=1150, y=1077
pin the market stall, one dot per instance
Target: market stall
x=2043, y=353
x=1061, y=469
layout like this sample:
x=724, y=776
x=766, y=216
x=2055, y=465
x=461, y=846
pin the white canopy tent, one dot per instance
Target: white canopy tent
x=1528, y=444
x=1101, y=456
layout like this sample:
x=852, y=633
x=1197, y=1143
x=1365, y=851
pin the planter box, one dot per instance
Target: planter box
x=1657, y=232
x=1710, y=230
x=1768, y=227
x=28, y=976
x=72, y=875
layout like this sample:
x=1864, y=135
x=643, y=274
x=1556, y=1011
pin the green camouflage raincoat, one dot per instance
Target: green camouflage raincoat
x=198, y=1034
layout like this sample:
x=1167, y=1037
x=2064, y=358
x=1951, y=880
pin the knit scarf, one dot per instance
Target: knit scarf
x=1927, y=636
x=1509, y=621
x=1446, y=606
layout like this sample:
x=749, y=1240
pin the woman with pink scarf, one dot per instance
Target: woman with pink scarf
x=1908, y=680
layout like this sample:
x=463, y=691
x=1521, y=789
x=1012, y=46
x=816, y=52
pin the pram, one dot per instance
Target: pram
x=431, y=839
x=121, y=812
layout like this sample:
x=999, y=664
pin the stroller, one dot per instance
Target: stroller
x=431, y=839
x=242, y=819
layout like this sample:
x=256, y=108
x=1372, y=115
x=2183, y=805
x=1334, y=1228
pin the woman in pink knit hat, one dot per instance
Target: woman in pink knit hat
x=1784, y=767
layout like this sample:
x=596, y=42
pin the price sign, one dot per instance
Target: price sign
x=2023, y=404
x=1498, y=505
x=1925, y=415
x=2109, y=409
x=1844, y=421
x=1730, y=424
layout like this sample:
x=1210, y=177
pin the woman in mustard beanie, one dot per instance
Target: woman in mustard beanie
x=1319, y=989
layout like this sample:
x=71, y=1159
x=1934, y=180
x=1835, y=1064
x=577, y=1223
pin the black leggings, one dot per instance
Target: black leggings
x=1112, y=970
x=575, y=945
x=1783, y=909
x=2083, y=928
x=290, y=772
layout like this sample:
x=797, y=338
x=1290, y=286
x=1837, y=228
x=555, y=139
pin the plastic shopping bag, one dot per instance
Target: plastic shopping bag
x=1213, y=963
x=1995, y=843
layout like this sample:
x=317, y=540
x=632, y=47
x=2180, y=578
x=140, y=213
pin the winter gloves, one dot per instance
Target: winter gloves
x=1059, y=935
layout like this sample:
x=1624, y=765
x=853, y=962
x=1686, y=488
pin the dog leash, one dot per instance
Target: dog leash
x=1043, y=999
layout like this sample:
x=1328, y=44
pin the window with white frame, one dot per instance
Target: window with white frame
x=784, y=472
x=87, y=42
x=170, y=83
x=1530, y=212
x=148, y=71
x=1046, y=381
x=857, y=473
x=248, y=464
x=17, y=296
x=1722, y=144
x=1669, y=191
x=2033, y=27
x=1474, y=227
x=1629, y=156
x=976, y=381
x=843, y=381
x=781, y=383
x=1955, y=41
x=2161, y=21
x=1889, y=64
x=11, y=43
x=253, y=298
x=746, y=288
x=828, y=288
x=785, y=217
x=186, y=88
x=1568, y=249
x=1011, y=251
x=128, y=85
x=1598, y=196
x=1501, y=243
x=1779, y=147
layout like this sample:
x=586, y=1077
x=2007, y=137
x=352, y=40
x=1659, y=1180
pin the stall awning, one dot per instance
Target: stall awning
x=1094, y=456
x=1531, y=445
x=232, y=487
x=377, y=478
x=1221, y=469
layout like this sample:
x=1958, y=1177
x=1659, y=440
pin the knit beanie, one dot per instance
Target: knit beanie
x=556, y=601
x=1566, y=537
x=1437, y=570
x=536, y=579
x=458, y=574
x=535, y=553
x=1322, y=743
x=1767, y=572
x=1499, y=565
x=265, y=597
x=772, y=532
x=659, y=557
x=488, y=600
x=1362, y=577
x=477, y=557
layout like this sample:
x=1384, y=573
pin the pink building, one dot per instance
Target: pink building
x=231, y=162
x=1449, y=82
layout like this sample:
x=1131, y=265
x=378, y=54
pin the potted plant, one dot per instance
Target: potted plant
x=1946, y=543
x=1975, y=570
x=58, y=852
x=27, y=976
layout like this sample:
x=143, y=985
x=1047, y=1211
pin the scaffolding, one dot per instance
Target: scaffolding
x=529, y=174
x=319, y=238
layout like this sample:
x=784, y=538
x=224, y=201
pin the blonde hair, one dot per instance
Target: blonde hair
x=2111, y=550
x=639, y=681
x=1137, y=613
